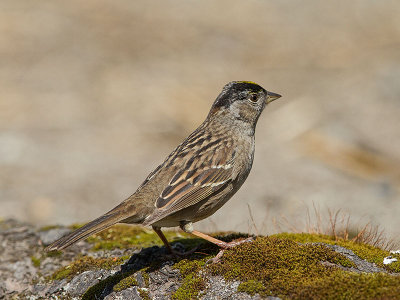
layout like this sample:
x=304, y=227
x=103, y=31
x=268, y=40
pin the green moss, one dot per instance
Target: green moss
x=127, y=236
x=306, y=237
x=95, y=291
x=146, y=277
x=187, y=267
x=364, y=251
x=125, y=283
x=85, y=263
x=144, y=294
x=119, y=281
x=76, y=226
x=49, y=227
x=61, y=274
x=252, y=287
x=283, y=267
x=350, y=285
x=53, y=253
x=190, y=288
x=192, y=282
x=35, y=261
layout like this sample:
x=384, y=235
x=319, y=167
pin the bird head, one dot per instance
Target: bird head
x=243, y=101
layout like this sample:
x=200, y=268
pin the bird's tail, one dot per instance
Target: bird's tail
x=90, y=228
x=121, y=213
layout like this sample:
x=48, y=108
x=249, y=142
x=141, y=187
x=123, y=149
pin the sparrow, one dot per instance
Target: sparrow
x=199, y=176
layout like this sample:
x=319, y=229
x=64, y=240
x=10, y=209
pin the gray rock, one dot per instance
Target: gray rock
x=80, y=283
x=22, y=269
x=49, y=236
x=39, y=290
x=130, y=293
x=218, y=288
x=140, y=279
x=2, y=290
x=56, y=286
x=362, y=265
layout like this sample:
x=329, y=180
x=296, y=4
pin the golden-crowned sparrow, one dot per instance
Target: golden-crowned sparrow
x=199, y=176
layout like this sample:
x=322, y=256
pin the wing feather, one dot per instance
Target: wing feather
x=186, y=191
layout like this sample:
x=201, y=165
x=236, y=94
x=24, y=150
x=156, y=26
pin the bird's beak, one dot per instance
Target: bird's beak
x=271, y=97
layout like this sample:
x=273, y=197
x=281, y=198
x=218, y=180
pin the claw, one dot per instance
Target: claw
x=225, y=246
x=232, y=244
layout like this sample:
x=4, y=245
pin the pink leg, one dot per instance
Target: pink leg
x=165, y=241
x=189, y=228
x=163, y=238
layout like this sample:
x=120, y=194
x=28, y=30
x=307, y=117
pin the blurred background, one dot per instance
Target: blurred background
x=95, y=94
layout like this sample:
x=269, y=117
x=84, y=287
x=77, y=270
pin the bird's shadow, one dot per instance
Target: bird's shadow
x=152, y=259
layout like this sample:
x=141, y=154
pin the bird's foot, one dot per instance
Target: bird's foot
x=232, y=244
x=229, y=245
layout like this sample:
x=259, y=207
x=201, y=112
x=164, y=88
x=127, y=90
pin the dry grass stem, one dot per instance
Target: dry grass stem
x=253, y=223
x=339, y=226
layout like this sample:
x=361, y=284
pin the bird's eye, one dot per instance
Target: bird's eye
x=253, y=98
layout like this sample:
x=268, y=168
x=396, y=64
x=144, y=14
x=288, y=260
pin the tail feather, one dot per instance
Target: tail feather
x=92, y=227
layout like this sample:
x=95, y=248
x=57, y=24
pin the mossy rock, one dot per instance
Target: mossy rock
x=290, y=269
x=85, y=263
x=294, y=266
x=128, y=236
x=370, y=253
x=289, y=266
x=252, y=287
